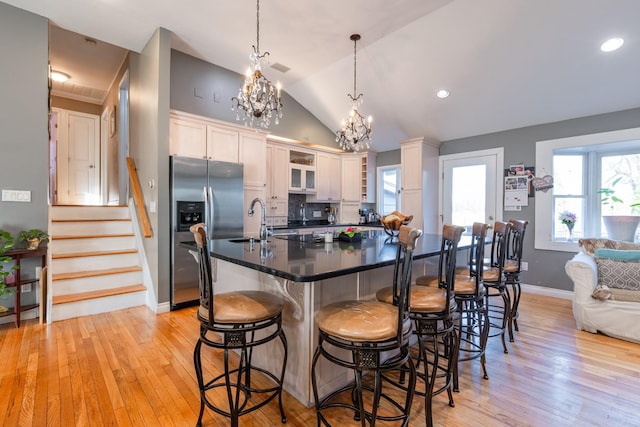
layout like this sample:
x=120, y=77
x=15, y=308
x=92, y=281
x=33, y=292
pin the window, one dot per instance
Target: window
x=581, y=166
x=388, y=183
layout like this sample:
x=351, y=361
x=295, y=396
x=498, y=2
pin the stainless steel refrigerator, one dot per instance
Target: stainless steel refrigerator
x=205, y=191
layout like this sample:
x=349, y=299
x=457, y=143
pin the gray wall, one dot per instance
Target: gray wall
x=149, y=147
x=194, y=83
x=387, y=158
x=24, y=138
x=546, y=268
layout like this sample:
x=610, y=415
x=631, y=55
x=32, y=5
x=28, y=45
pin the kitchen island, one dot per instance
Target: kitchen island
x=310, y=274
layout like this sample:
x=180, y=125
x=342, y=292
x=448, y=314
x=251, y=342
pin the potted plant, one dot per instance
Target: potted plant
x=619, y=227
x=6, y=243
x=33, y=238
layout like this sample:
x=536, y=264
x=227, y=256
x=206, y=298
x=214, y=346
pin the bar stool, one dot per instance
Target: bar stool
x=513, y=267
x=370, y=331
x=433, y=311
x=495, y=283
x=240, y=321
x=470, y=297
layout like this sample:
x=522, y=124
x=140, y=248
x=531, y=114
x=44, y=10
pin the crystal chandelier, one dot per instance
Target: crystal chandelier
x=355, y=134
x=258, y=100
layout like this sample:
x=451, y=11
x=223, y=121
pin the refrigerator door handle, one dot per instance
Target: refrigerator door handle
x=206, y=209
x=211, y=213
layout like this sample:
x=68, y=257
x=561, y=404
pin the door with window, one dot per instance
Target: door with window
x=471, y=187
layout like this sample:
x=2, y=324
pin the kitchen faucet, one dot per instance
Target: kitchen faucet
x=264, y=233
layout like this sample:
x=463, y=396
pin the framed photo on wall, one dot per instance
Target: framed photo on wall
x=112, y=121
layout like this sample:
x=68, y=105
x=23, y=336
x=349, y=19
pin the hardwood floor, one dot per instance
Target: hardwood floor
x=135, y=368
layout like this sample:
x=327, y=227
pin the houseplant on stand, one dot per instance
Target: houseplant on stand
x=619, y=227
x=33, y=238
x=6, y=243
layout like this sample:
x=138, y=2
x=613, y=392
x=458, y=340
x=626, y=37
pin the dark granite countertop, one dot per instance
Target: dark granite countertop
x=304, y=258
x=322, y=223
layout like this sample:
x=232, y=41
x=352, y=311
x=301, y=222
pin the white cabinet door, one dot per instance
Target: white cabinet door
x=411, y=158
x=277, y=167
x=187, y=138
x=253, y=155
x=277, y=175
x=412, y=205
x=222, y=144
x=329, y=177
x=351, y=168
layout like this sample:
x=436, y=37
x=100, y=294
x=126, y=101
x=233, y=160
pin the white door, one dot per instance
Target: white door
x=83, y=165
x=471, y=187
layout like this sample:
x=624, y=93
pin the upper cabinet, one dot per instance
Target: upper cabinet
x=302, y=171
x=351, y=170
x=222, y=144
x=253, y=155
x=187, y=138
x=419, y=192
x=329, y=171
x=202, y=138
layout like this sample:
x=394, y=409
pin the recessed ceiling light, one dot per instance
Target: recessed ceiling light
x=58, y=76
x=611, y=44
x=442, y=93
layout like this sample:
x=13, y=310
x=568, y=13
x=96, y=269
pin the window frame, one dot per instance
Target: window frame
x=544, y=165
x=380, y=187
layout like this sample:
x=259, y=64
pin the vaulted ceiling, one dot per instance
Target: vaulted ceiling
x=507, y=63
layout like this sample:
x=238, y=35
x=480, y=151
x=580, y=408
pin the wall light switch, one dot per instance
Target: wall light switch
x=152, y=206
x=16, y=196
x=317, y=214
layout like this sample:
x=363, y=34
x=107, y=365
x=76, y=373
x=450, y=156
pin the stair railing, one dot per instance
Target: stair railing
x=138, y=198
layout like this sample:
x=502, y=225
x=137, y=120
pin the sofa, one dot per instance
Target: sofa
x=606, y=279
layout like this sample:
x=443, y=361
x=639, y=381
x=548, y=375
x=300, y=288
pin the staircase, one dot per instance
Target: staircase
x=94, y=261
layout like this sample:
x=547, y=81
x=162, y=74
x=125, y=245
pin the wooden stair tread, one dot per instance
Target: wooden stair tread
x=93, y=273
x=95, y=253
x=83, y=296
x=91, y=219
x=91, y=236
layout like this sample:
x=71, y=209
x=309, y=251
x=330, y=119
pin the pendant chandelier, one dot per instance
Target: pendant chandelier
x=258, y=101
x=355, y=134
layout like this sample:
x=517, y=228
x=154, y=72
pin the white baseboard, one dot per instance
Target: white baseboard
x=163, y=307
x=548, y=292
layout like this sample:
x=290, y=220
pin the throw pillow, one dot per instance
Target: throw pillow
x=618, y=254
x=590, y=245
x=618, y=274
x=625, y=295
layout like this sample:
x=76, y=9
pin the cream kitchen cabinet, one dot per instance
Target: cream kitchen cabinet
x=253, y=155
x=351, y=168
x=277, y=176
x=419, y=191
x=329, y=169
x=199, y=137
x=302, y=171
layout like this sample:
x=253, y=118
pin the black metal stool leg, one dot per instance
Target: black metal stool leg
x=197, y=363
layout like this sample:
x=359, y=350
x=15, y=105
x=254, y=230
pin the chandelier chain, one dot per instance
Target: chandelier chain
x=258, y=100
x=258, y=26
x=355, y=134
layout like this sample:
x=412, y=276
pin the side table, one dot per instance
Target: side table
x=17, y=255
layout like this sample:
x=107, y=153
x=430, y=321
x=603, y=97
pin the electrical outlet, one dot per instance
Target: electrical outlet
x=317, y=214
x=26, y=288
x=524, y=266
